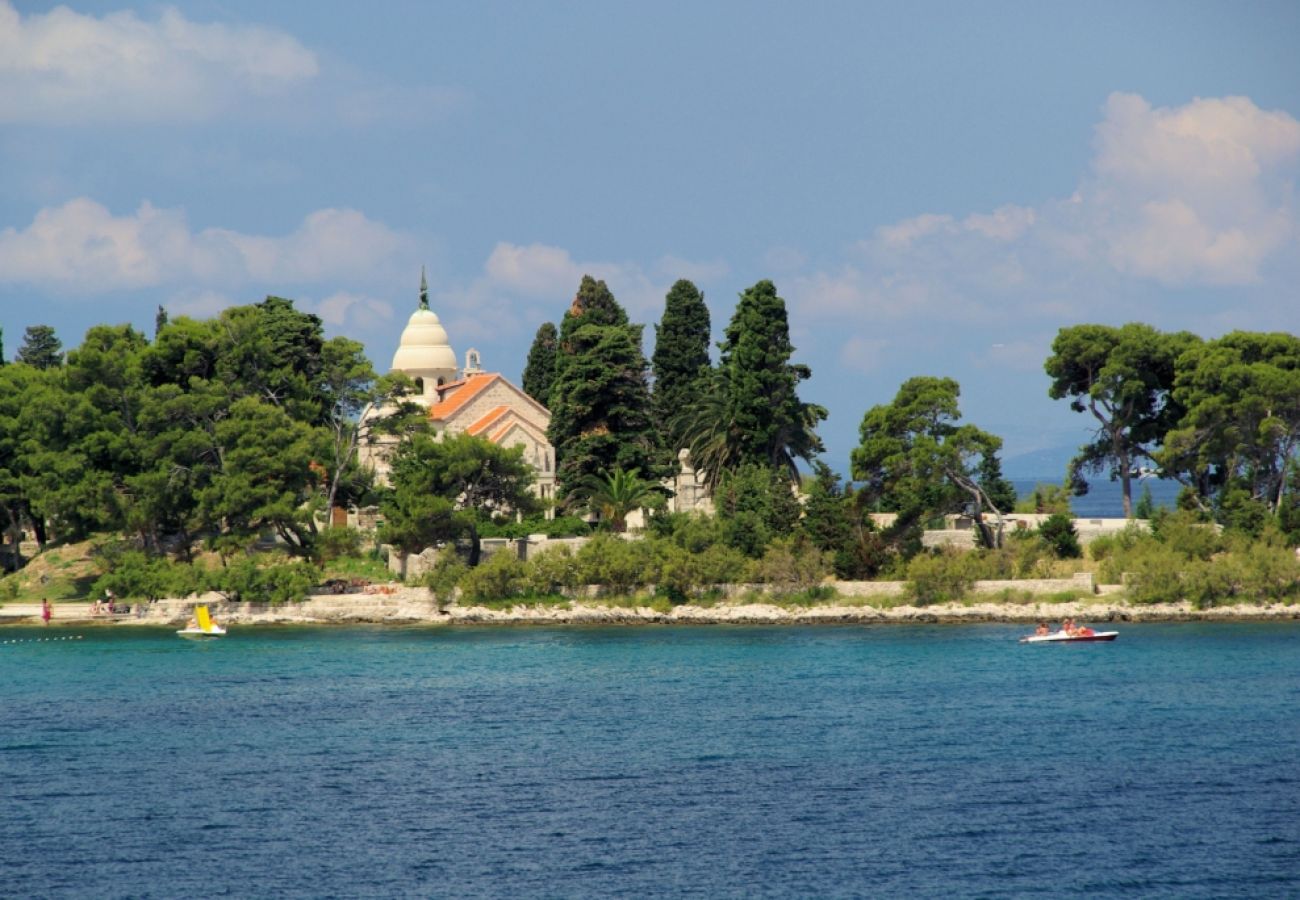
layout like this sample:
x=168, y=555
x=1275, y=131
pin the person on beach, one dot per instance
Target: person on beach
x=46, y=612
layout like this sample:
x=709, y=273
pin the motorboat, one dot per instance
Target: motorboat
x=1082, y=636
x=201, y=626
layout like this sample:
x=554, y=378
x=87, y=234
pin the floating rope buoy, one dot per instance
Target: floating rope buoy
x=71, y=637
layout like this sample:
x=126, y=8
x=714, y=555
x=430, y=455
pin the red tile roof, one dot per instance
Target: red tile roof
x=468, y=390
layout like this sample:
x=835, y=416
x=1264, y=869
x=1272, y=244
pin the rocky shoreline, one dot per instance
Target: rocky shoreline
x=414, y=606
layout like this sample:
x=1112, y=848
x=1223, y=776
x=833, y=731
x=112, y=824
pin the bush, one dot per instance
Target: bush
x=248, y=579
x=553, y=571
x=337, y=541
x=445, y=576
x=500, y=577
x=560, y=526
x=791, y=566
x=133, y=574
x=683, y=574
x=619, y=566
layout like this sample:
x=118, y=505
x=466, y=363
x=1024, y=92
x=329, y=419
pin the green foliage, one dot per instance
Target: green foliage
x=915, y=460
x=499, y=577
x=614, y=495
x=755, y=504
x=946, y=575
x=751, y=414
x=680, y=362
x=688, y=574
x=40, y=348
x=1146, y=505
x=620, y=566
x=1057, y=532
x=1123, y=377
x=836, y=523
x=442, y=490
x=539, y=371
x=255, y=580
x=553, y=572
x=791, y=566
x=1241, y=429
x=133, y=574
x=445, y=576
x=600, y=397
x=337, y=541
x=558, y=527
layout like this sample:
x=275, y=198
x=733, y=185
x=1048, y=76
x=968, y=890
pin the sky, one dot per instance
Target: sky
x=934, y=188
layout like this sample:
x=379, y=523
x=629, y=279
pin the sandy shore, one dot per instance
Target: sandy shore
x=414, y=606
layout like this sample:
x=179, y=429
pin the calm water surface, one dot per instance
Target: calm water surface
x=706, y=761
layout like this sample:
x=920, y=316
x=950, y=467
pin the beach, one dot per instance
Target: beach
x=415, y=606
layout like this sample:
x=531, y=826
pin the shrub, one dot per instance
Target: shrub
x=337, y=541
x=939, y=577
x=619, y=566
x=560, y=526
x=246, y=578
x=790, y=566
x=553, y=571
x=445, y=575
x=133, y=574
x=682, y=574
x=1187, y=534
x=500, y=577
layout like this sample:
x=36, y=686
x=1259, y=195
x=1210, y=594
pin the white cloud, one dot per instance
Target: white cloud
x=343, y=309
x=1189, y=197
x=81, y=245
x=862, y=355
x=63, y=66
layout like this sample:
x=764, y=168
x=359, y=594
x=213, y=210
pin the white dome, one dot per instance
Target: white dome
x=424, y=351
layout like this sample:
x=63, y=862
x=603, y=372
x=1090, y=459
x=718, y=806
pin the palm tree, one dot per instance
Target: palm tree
x=613, y=495
x=718, y=444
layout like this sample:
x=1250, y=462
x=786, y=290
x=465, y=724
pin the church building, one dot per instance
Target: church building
x=467, y=400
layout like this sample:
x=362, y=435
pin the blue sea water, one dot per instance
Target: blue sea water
x=653, y=761
x=1105, y=499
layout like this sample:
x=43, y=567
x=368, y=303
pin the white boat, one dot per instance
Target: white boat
x=201, y=626
x=1060, y=637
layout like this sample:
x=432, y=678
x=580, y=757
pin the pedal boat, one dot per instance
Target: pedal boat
x=1060, y=637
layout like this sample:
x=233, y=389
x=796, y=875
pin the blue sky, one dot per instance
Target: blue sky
x=936, y=189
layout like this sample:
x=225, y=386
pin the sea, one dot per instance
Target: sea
x=659, y=761
x=1105, y=499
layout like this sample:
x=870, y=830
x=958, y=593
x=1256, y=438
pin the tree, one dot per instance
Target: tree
x=1124, y=377
x=754, y=414
x=836, y=524
x=613, y=495
x=680, y=362
x=1241, y=427
x=159, y=320
x=916, y=460
x=41, y=349
x=600, y=398
x=442, y=490
x=756, y=504
x=539, y=372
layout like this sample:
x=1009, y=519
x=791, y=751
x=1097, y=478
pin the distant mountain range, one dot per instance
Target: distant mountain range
x=1047, y=464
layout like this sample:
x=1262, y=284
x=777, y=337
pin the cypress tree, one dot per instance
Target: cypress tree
x=600, y=397
x=539, y=372
x=681, y=357
x=772, y=426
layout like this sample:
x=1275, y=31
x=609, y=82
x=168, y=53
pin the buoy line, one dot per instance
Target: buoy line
x=71, y=637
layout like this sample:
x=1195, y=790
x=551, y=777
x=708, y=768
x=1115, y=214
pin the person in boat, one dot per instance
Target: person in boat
x=1084, y=631
x=1042, y=629
x=1067, y=625
x=192, y=624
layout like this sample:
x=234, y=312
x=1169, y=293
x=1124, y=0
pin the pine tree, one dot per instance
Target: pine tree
x=159, y=321
x=681, y=357
x=600, y=398
x=41, y=349
x=539, y=372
